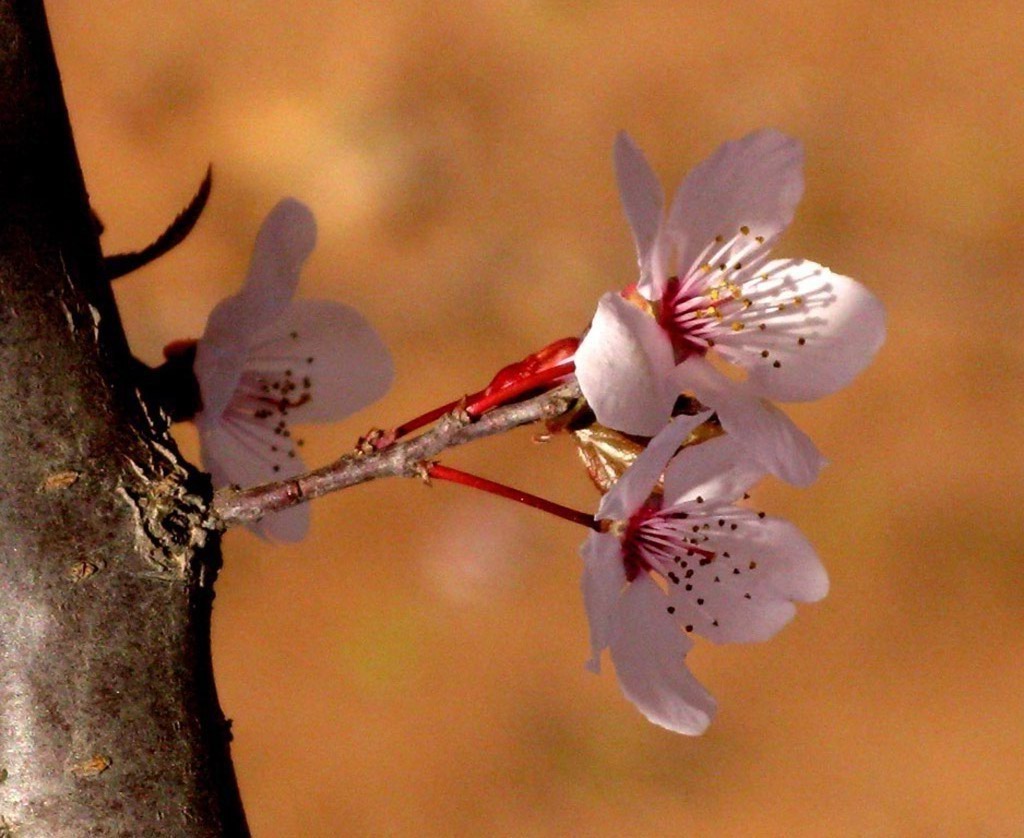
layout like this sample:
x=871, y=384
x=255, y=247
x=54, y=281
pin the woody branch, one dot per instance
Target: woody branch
x=233, y=506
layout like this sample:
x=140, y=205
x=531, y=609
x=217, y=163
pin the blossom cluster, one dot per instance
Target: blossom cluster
x=681, y=372
x=714, y=317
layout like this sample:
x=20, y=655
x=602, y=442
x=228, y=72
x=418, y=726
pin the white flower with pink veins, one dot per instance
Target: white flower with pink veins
x=266, y=361
x=791, y=330
x=688, y=560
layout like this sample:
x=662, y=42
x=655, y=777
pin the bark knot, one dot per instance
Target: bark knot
x=171, y=517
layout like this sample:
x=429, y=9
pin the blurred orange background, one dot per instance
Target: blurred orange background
x=415, y=666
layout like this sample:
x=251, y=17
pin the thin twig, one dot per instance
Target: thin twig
x=233, y=506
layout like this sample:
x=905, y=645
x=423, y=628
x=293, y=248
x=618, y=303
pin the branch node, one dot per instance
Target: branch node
x=422, y=471
x=375, y=440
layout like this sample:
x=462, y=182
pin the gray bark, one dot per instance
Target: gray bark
x=109, y=721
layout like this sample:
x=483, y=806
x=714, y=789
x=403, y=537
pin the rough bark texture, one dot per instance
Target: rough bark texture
x=109, y=723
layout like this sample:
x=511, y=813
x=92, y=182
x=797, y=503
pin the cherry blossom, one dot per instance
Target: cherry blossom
x=687, y=560
x=714, y=316
x=266, y=361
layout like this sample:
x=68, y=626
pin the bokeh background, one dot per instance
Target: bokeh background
x=415, y=666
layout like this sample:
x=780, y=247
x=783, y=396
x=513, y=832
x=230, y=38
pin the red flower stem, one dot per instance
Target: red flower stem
x=432, y=415
x=440, y=472
x=480, y=402
x=550, y=376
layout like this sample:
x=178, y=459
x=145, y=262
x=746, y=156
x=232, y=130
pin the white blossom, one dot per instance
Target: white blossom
x=688, y=560
x=266, y=361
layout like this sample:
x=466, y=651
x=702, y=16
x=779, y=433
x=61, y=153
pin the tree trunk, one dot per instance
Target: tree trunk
x=109, y=721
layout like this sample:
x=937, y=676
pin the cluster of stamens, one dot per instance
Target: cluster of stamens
x=267, y=400
x=674, y=544
x=725, y=293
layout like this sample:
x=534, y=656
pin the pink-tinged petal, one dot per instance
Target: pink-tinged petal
x=649, y=653
x=623, y=366
x=773, y=439
x=766, y=432
x=243, y=452
x=755, y=182
x=218, y=368
x=283, y=244
x=808, y=332
x=326, y=359
x=238, y=451
x=731, y=613
x=644, y=203
x=793, y=569
x=719, y=470
x=730, y=599
x=602, y=582
x=633, y=489
x=746, y=593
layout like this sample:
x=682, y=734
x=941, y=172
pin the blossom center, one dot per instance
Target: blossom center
x=661, y=541
x=266, y=397
x=710, y=296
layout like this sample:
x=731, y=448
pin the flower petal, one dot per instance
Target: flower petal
x=327, y=355
x=237, y=450
x=218, y=368
x=623, y=366
x=649, y=653
x=284, y=242
x=719, y=470
x=644, y=203
x=746, y=594
x=794, y=569
x=766, y=432
x=754, y=182
x=602, y=582
x=638, y=481
x=816, y=331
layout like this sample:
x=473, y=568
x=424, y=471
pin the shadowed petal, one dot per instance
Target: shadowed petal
x=649, y=653
x=719, y=470
x=284, y=242
x=644, y=203
x=602, y=582
x=332, y=356
x=766, y=432
x=246, y=453
x=638, y=481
